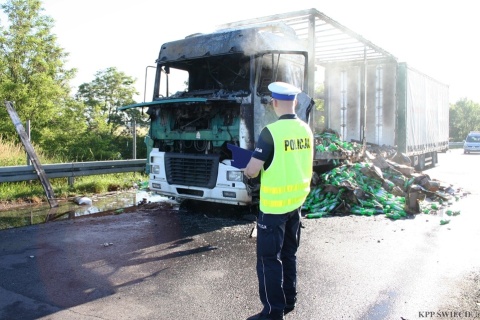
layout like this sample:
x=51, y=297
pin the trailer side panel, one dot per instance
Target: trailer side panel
x=426, y=109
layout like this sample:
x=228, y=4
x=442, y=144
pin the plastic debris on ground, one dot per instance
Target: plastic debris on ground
x=329, y=146
x=141, y=185
x=376, y=180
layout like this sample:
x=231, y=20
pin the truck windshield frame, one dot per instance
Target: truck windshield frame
x=280, y=66
x=229, y=74
x=203, y=76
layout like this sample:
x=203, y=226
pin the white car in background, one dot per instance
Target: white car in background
x=472, y=142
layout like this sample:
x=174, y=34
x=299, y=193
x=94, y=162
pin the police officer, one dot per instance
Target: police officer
x=283, y=157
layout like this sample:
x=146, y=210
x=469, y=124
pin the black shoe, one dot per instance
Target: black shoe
x=262, y=316
x=288, y=308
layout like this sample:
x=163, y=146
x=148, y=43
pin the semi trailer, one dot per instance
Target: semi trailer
x=210, y=99
x=401, y=107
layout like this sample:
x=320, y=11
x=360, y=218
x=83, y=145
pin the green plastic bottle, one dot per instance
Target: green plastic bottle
x=315, y=215
x=393, y=215
x=332, y=147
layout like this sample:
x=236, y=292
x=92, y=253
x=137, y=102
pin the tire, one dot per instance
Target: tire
x=421, y=163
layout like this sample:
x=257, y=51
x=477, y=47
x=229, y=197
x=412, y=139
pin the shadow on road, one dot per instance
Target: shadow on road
x=49, y=267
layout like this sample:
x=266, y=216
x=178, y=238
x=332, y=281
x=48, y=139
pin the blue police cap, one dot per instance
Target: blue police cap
x=283, y=91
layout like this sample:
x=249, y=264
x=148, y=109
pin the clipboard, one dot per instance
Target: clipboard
x=241, y=156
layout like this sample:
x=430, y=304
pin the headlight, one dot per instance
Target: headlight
x=235, y=176
x=155, y=169
x=156, y=186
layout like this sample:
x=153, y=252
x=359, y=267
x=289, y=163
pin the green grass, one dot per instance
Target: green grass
x=13, y=154
x=33, y=192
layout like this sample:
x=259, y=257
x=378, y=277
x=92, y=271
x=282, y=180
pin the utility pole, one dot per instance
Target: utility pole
x=32, y=155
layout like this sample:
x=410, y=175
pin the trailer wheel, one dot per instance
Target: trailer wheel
x=434, y=159
x=421, y=163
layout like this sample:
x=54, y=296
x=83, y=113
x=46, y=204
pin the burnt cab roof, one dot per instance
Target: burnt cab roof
x=250, y=40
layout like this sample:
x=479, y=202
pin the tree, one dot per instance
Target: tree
x=109, y=135
x=63, y=137
x=109, y=90
x=33, y=72
x=464, y=117
x=34, y=77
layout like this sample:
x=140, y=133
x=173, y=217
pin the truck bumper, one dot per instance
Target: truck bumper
x=222, y=184
x=471, y=148
x=226, y=195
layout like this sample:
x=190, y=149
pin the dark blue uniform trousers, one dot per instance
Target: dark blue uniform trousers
x=278, y=238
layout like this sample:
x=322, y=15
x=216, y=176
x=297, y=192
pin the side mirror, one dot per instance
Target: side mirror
x=265, y=100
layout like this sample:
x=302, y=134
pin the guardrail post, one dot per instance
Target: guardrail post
x=134, y=145
x=71, y=181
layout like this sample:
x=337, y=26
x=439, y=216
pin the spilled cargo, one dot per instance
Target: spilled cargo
x=374, y=182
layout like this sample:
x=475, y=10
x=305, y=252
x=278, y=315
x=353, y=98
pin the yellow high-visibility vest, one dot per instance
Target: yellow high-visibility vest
x=286, y=183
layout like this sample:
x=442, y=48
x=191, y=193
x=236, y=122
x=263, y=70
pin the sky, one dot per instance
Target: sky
x=436, y=37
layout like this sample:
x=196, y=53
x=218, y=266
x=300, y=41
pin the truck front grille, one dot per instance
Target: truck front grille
x=191, y=169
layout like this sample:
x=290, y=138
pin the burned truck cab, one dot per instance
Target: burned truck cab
x=210, y=92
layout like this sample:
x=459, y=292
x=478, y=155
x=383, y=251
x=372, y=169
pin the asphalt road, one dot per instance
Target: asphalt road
x=197, y=262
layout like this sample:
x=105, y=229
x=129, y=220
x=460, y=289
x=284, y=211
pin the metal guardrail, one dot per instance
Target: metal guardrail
x=77, y=169
x=74, y=169
x=455, y=145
